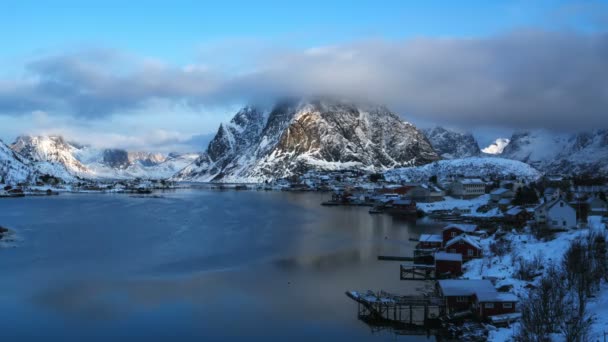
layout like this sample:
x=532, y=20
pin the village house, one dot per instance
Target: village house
x=517, y=216
x=477, y=296
x=468, y=188
x=429, y=241
x=504, y=204
x=425, y=193
x=501, y=193
x=467, y=246
x=512, y=185
x=448, y=263
x=597, y=207
x=453, y=230
x=555, y=214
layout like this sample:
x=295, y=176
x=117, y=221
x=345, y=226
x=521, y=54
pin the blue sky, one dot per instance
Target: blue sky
x=67, y=42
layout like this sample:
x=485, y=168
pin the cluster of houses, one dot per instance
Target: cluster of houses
x=456, y=244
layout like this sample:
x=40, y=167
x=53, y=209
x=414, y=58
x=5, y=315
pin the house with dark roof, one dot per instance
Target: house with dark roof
x=517, y=216
x=501, y=193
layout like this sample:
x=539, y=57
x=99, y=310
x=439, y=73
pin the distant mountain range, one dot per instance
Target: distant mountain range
x=54, y=156
x=296, y=136
x=566, y=153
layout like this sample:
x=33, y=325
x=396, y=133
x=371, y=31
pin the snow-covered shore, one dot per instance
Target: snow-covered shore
x=524, y=246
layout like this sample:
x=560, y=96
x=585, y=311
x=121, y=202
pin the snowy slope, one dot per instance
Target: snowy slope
x=451, y=144
x=585, y=152
x=13, y=167
x=297, y=136
x=469, y=167
x=53, y=150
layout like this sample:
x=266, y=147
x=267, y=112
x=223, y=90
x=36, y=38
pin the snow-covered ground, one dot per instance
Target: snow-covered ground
x=528, y=248
x=454, y=203
x=468, y=167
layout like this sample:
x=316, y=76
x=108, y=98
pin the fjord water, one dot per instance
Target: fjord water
x=194, y=265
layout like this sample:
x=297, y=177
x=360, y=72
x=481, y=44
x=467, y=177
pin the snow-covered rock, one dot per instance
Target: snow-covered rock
x=14, y=168
x=451, y=144
x=584, y=152
x=297, y=136
x=467, y=167
x=51, y=149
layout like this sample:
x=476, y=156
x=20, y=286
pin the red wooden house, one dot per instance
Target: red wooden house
x=448, y=264
x=486, y=304
x=453, y=230
x=478, y=296
x=465, y=245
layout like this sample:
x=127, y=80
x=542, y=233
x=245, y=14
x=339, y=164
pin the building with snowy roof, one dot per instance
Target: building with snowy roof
x=478, y=296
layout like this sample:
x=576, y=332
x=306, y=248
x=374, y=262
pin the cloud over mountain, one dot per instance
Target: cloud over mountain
x=550, y=79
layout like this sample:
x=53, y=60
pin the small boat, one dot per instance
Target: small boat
x=375, y=211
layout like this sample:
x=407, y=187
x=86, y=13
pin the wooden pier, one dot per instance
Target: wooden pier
x=417, y=272
x=401, y=311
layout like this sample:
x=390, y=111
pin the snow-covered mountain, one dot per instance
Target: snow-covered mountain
x=584, y=152
x=497, y=147
x=120, y=164
x=52, y=149
x=13, y=167
x=451, y=144
x=296, y=136
x=467, y=167
x=67, y=160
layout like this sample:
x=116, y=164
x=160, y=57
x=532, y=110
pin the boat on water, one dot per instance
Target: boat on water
x=376, y=210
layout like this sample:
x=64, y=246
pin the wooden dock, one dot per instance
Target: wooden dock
x=402, y=311
x=417, y=272
x=394, y=258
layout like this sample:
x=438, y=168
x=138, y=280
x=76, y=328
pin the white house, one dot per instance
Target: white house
x=468, y=188
x=557, y=213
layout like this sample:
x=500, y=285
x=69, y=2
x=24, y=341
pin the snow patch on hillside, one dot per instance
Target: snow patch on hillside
x=467, y=167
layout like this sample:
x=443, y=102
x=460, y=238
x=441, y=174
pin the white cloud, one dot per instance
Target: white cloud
x=496, y=147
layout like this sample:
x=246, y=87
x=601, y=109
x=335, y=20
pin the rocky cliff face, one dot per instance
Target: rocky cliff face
x=584, y=152
x=296, y=136
x=116, y=158
x=451, y=144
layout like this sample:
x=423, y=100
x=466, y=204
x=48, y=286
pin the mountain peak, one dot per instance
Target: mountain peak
x=303, y=134
x=451, y=144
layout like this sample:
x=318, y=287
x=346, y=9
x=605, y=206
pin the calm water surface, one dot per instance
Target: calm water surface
x=194, y=265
